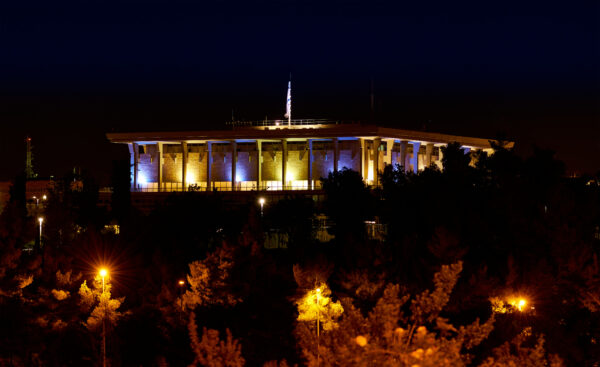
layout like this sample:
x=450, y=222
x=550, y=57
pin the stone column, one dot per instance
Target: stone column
x=376, y=156
x=159, y=169
x=404, y=155
x=428, y=153
x=361, y=147
x=387, y=158
x=283, y=163
x=208, y=165
x=441, y=156
x=184, y=156
x=258, y=164
x=310, y=164
x=136, y=164
x=233, y=165
x=364, y=159
x=415, y=158
x=133, y=164
x=336, y=154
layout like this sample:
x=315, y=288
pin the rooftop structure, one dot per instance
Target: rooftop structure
x=277, y=154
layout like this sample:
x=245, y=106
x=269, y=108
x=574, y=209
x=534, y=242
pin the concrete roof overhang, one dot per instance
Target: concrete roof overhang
x=307, y=132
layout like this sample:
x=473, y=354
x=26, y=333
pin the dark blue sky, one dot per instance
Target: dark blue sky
x=70, y=71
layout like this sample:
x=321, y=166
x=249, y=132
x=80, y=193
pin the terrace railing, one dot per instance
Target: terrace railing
x=283, y=123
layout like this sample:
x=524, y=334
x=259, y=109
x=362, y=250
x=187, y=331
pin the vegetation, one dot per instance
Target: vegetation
x=492, y=261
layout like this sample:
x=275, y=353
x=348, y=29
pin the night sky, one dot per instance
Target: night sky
x=72, y=71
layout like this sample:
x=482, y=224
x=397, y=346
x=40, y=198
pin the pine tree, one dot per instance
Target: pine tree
x=210, y=350
x=388, y=337
x=100, y=303
x=208, y=280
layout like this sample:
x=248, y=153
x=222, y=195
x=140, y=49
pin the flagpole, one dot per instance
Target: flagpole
x=290, y=102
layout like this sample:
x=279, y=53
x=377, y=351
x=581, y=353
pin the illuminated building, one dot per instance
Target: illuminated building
x=270, y=155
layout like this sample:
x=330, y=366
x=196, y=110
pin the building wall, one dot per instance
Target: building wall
x=148, y=167
x=221, y=167
x=350, y=156
x=196, y=167
x=323, y=161
x=297, y=164
x=172, y=169
x=271, y=166
x=247, y=162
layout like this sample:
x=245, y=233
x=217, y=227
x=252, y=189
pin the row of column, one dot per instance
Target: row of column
x=405, y=160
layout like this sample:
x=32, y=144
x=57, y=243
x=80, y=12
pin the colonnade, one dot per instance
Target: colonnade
x=369, y=152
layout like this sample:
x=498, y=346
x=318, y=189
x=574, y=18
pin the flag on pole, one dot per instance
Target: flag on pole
x=288, y=106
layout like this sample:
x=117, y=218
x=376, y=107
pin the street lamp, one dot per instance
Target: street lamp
x=103, y=273
x=318, y=317
x=181, y=288
x=41, y=220
x=37, y=200
x=44, y=197
x=262, y=204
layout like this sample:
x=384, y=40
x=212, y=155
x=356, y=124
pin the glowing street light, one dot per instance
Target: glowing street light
x=37, y=200
x=520, y=304
x=44, y=197
x=40, y=220
x=261, y=201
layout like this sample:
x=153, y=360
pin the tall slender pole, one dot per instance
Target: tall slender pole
x=103, y=329
x=290, y=98
x=181, y=285
x=318, y=327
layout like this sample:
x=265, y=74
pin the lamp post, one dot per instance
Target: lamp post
x=103, y=273
x=41, y=220
x=37, y=200
x=318, y=317
x=181, y=287
x=261, y=201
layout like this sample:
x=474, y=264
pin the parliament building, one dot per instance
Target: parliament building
x=277, y=155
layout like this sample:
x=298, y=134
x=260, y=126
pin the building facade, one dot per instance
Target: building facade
x=275, y=155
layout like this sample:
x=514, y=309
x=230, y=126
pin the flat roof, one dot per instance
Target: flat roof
x=326, y=131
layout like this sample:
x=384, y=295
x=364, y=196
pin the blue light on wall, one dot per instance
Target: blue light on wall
x=142, y=178
x=347, y=163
